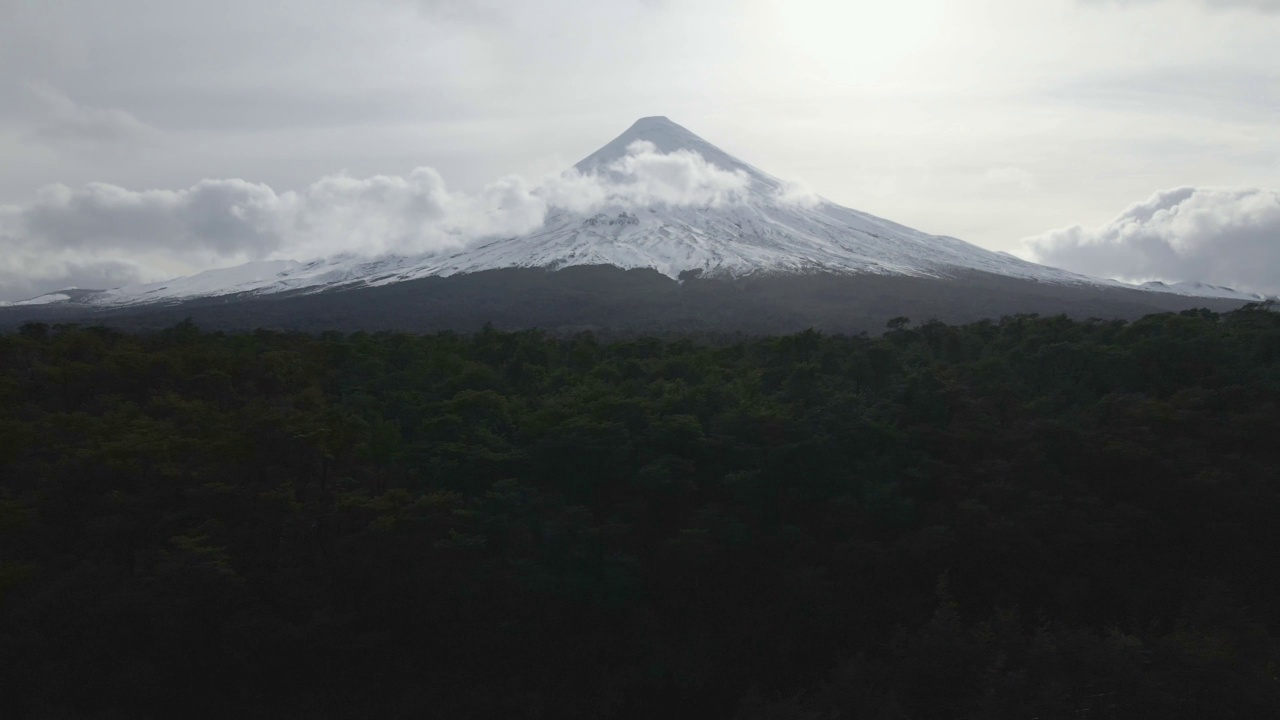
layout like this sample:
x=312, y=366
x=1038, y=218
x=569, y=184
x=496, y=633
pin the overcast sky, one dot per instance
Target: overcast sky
x=1043, y=128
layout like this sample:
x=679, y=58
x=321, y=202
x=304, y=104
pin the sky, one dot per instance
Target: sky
x=144, y=139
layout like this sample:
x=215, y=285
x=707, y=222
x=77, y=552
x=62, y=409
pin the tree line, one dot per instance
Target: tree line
x=1034, y=517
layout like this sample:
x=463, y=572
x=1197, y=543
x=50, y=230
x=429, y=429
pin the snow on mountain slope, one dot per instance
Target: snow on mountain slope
x=734, y=241
x=46, y=299
x=59, y=297
x=756, y=228
x=1199, y=289
x=762, y=231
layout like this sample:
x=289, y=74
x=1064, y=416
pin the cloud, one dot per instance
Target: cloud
x=797, y=193
x=1262, y=6
x=44, y=273
x=64, y=119
x=1266, y=6
x=226, y=221
x=643, y=176
x=106, y=233
x=1223, y=236
x=219, y=217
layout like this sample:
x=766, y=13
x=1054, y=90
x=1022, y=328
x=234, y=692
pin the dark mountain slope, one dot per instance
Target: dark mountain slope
x=635, y=301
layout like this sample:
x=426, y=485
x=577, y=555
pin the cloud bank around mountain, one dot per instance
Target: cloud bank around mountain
x=1222, y=236
x=104, y=235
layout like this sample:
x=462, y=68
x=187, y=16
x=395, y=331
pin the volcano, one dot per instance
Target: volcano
x=667, y=207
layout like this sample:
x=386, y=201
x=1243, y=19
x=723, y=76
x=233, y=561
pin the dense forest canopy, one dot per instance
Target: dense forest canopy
x=1030, y=518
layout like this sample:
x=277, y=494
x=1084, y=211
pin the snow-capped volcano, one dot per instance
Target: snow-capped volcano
x=694, y=207
x=763, y=228
x=657, y=196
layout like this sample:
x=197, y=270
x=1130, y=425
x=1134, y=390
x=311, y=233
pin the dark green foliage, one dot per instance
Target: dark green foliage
x=1030, y=518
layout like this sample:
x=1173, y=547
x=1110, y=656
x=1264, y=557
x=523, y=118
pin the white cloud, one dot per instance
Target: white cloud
x=28, y=276
x=797, y=193
x=1268, y=6
x=1262, y=6
x=1223, y=236
x=99, y=233
x=64, y=119
x=643, y=177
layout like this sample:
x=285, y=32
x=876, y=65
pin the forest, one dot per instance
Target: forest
x=1033, y=517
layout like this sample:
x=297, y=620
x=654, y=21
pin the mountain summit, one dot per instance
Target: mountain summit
x=667, y=137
